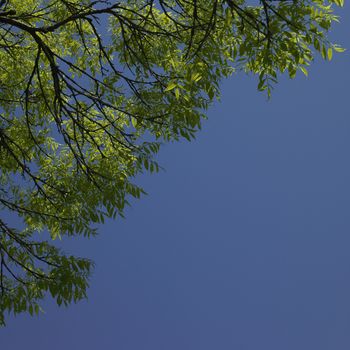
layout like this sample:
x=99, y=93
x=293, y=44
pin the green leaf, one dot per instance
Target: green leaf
x=329, y=53
x=196, y=77
x=304, y=70
x=171, y=86
x=338, y=49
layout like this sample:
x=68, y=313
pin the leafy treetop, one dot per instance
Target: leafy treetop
x=88, y=92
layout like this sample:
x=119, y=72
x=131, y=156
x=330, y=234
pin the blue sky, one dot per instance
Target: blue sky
x=243, y=241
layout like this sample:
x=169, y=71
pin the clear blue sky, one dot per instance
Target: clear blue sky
x=242, y=243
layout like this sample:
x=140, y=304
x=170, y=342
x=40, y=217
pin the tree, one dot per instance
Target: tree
x=88, y=92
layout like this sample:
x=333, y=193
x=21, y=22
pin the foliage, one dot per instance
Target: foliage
x=88, y=92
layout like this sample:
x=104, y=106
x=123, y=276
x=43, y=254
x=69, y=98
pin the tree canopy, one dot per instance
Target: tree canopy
x=89, y=90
